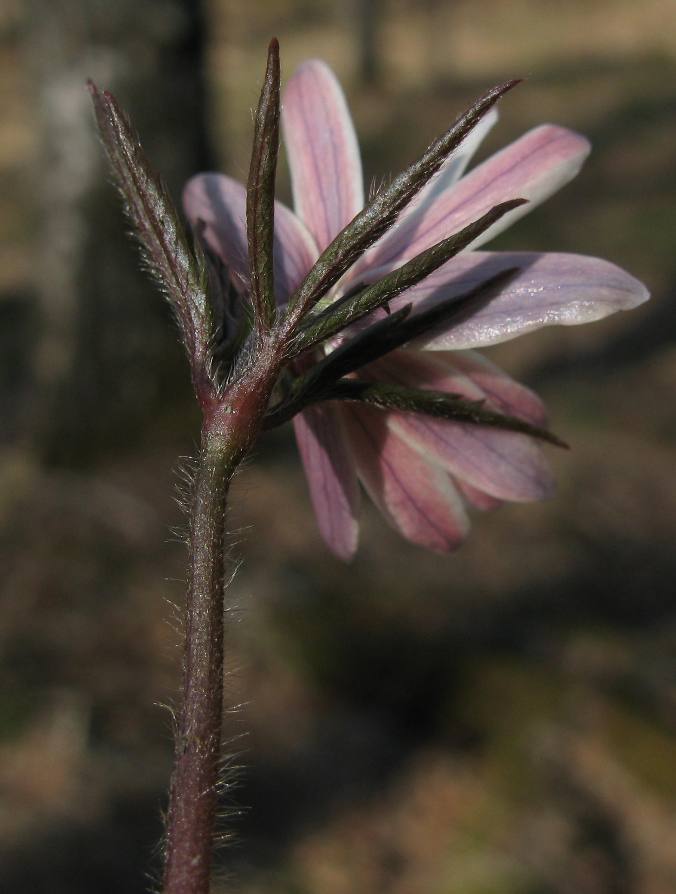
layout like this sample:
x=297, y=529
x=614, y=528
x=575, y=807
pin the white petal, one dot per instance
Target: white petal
x=549, y=289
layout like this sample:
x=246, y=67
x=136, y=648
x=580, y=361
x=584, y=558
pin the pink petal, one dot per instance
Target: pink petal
x=533, y=168
x=331, y=476
x=415, y=496
x=502, y=391
x=322, y=151
x=503, y=464
x=550, y=289
x=220, y=202
x=413, y=216
x=477, y=498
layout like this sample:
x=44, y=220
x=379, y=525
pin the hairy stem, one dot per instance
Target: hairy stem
x=193, y=794
x=230, y=428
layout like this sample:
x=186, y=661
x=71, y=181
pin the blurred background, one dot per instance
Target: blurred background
x=499, y=720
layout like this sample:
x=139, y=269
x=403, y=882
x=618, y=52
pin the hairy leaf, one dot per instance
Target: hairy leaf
x=260, y=197
x=178, y=266
x=387, y=335
x=336, y=318
x=438, y=404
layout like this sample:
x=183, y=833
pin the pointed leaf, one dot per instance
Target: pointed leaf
x=320, y=377
x=379, y=339
x=178, y=267
x=219, y=202
x=260, y=200
x=535, y=166
x=393, y=284
x=438, y=404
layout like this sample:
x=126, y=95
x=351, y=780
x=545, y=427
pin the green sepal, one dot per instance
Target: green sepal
x=260, y=195
x=438, y=404
x=390, y=333
x=176, y=262
x=353, y=354
x=336, y=317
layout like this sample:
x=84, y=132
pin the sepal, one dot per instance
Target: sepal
x=178, y=266
x=260, y=194
x=438, y=404
x=345, y=312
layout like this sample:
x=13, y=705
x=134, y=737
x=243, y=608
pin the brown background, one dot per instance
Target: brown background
x=500, y=720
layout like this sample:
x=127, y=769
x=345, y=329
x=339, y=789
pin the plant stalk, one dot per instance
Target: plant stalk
x=193, y=792
x=228, y=431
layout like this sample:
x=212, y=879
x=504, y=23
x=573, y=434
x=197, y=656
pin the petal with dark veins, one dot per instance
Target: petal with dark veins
x=534, y=167
x=417, y=497
x=331, y=476
x=504, y=464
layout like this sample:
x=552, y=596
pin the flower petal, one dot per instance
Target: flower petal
x=417, y=497
x=477, y=498
x=534, y=168
x=322, y=151
x=503, y=464
x=220, y=202
x=331, y=476
x=412, y=217
x=549, y=289
x=503, y=392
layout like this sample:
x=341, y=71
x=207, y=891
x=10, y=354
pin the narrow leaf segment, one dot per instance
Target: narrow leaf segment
x=260, y=198
x=178, y=266
x=439, y=404
x=330, y=322
x=388, y=334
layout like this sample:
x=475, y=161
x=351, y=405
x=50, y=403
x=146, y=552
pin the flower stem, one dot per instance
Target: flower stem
x=193, y=793
x=230, y=427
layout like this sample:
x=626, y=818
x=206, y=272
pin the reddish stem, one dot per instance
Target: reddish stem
x=193, y=794
x=228, y=432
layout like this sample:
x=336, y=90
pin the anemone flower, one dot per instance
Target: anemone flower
x=423, y=473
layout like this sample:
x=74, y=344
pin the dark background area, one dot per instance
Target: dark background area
x=499, y=720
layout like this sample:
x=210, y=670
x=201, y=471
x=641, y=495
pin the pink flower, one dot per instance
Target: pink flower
x=421, y=472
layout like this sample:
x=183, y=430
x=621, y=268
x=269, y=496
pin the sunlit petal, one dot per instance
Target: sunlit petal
x=413, y=217
x=323, y=152
x=534, y=167
x=548, y=289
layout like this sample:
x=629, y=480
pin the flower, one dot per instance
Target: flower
x=423, y=473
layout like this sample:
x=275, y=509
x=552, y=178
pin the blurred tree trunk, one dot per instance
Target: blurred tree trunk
x=105, y=354
x=367, y=20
